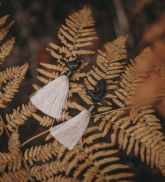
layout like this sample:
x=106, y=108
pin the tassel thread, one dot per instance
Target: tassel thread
x=71, y=131
x=51, y=98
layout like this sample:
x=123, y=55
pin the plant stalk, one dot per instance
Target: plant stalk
x=33, y=138
x=124, y=108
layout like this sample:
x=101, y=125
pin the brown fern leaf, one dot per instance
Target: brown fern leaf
x=142, y=136
x=157, y=79
x=18, y=117
x=162, y=165
x=14, y=143
x=12, y=161
x=4, y=31
x=74, y=105
x=11, y=88
x=6, y=49
x=108, y=67
x=48, y=121
x=107, y=122
x=74, y=88
x=91, y=161
x=42, y=153
x=75, y=35
x=131, y=80
x=20, y=176
x=44, y=121
x=47, y=170
x=3, y=20
x=53, y=75
x=11, y=73
x=140, y=131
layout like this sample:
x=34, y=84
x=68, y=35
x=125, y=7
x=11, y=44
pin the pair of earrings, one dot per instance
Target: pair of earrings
x=51, y=98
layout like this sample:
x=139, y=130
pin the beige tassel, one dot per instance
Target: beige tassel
x=51, y=98
x=71, y=131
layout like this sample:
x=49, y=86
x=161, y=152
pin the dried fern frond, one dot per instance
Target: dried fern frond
x=47, y=170
x=14, y=143
x=12, y=87
x=99, y=161
x=107, y=122
x=108, y=67
x=44, y=121
x=162, y=165
x=42, y=153
x=6, y=48
x=20, y=176
x=11, y=73
x=138, y=131
x=18, y=117
x=131, y=81
x=75, y=35
x=92, y=163
x=4, y=31
x=12, y=161
x=3, y=20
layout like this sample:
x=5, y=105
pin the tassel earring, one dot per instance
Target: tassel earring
x=71, y=131
x=51, y=98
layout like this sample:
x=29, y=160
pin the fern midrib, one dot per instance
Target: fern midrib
x=52, y=152
x=75, y=43
x=22, y=113
x=133, y=136
x=93, y=163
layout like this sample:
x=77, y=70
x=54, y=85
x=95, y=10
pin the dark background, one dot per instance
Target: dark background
x=37, y=23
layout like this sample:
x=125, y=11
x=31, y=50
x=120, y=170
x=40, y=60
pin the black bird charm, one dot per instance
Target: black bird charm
x=72, y=65
x=98, y=92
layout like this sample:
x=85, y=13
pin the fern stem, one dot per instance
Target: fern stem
x=5, y=127
x=20, y=150
x=124, y=108
x=33, y=138
x=91, y=160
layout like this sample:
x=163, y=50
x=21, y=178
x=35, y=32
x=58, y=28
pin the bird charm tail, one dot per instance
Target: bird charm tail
x=71, y=131
x=51, y=98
